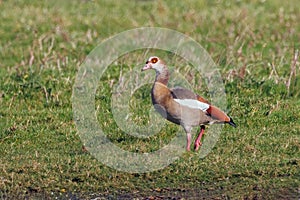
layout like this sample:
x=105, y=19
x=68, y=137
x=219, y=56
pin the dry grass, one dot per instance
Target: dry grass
x=255, y=43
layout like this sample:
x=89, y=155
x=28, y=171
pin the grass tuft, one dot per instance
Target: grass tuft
x=256, y=46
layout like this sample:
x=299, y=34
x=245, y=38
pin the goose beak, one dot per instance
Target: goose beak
x=147, y=66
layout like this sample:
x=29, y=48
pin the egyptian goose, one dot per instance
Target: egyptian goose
x=181, y=106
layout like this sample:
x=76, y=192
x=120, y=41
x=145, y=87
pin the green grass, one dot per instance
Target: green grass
x=42, y=46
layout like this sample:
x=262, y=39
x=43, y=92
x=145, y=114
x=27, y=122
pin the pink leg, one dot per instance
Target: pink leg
x=188, y=141
x=198, y=140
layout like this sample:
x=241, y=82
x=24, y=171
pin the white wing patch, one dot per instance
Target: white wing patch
x=191, y=103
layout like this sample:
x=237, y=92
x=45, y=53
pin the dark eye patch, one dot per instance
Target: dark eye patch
x=154, y=60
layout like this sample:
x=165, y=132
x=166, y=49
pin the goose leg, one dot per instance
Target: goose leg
x=188, y=141
x=198, y=140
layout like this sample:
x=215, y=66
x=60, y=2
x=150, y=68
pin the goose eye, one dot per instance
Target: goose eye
x=154, y=60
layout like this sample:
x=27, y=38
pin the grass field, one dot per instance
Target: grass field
x=256, y=46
